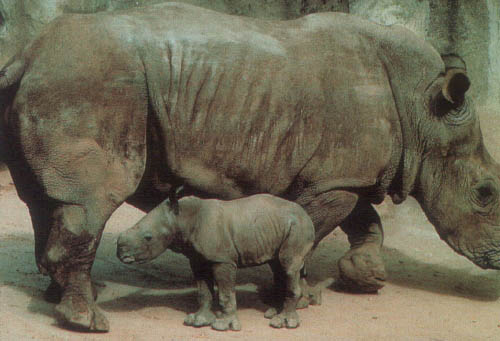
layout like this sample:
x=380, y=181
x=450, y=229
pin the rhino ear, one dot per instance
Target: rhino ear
x=178, y=190
x=172, y=199
x=456, y=84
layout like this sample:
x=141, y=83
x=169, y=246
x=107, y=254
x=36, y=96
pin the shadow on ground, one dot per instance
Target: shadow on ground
x=168, y=282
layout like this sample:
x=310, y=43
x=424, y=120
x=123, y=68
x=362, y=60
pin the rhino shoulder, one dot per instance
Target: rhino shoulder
x=209, y=235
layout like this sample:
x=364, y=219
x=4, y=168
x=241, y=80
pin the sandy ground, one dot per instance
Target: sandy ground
x=431, y=293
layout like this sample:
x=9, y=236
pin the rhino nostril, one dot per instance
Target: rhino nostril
x=148, y=237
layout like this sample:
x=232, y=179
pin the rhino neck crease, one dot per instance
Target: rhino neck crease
x=187, y=220
x=401, y=53
x=410, y=159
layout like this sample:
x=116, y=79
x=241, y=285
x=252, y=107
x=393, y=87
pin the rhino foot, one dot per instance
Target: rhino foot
x=200, y=319
x=311, y=294
x=362, y=270
x=227, y=323
x=75, y=312
x=53, y=293
x=289, y=320
x=270, y=313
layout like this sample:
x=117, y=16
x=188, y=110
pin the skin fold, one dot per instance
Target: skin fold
x=329, y=111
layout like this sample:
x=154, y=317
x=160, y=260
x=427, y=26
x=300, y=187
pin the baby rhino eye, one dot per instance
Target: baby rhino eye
x=148, y=236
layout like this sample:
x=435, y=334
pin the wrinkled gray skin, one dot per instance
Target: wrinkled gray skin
x=330, y=111
x=220, y=236
x=23, y=20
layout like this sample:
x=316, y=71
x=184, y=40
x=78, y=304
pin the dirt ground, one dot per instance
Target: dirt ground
x=431, y=293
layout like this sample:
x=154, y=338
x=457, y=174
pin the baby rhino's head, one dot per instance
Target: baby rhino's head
x=147, y=239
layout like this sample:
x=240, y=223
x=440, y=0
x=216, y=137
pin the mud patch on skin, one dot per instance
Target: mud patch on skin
x=56, y=253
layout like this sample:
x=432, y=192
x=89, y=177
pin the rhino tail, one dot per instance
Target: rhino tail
x=12, y=73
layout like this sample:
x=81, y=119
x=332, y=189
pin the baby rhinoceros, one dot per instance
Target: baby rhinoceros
x=220, y=236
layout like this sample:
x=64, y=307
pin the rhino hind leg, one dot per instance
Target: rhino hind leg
x=362, y=269
x=40, y=217
x=287, y=276
x=83, y=195
x=290, y=290
x=69, y=256
x=54, y=292
x=278, y=290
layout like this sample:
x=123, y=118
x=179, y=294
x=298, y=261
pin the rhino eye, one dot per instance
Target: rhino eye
x=485, y=193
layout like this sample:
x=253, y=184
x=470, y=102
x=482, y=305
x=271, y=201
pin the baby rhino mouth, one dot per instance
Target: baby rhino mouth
x=124, y=255
x=127, y=259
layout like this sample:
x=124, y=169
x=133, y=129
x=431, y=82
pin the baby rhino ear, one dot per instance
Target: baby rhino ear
x=172, y=200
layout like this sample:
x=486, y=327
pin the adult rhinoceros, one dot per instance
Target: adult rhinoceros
x=329, y=110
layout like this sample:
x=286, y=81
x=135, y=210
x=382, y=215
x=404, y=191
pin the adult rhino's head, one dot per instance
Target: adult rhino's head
x=457, y=183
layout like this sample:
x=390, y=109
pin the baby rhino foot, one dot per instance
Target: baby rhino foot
x=200, y=319
x=311, y=295
x=270, y=313
x=229, y=322
x=289, y=320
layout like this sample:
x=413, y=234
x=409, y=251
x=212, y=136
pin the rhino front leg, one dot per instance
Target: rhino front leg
x=362, y=268
x=327, y=210
x=225, y=277
x=204, y=280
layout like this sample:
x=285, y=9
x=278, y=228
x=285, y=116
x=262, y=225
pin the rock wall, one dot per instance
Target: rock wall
x=493, y=70
x=22, y=20
x=468, y=28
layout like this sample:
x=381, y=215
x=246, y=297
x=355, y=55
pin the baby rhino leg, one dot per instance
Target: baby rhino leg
x=288, y=315
x=291, y=258
x=225, y=277
x=278, y=290
x=205, y=282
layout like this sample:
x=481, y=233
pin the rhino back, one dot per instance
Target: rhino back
x=248, y=231
x=247, y=106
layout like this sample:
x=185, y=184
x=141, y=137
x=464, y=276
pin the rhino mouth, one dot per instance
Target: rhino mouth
x=489, y=260
x=486, y=258
x=127, y=259
x=127, y=256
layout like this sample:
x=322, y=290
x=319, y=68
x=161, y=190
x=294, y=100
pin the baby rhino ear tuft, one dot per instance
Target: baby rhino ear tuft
x=173, y=200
